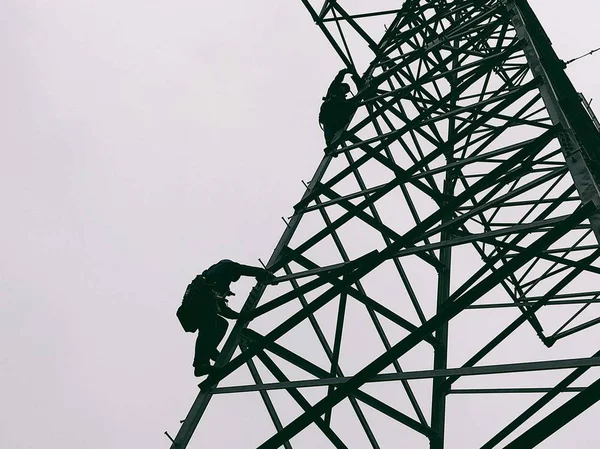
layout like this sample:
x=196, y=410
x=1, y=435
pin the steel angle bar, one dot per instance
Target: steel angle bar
x=287, y=297
x=406, y=16
x=266, y=400
x=363, y=15
x=432, y=76
x=328, y=35
x=562, y=102
x=363, y=397
x=424, y=374
x=392, y=166
x=579, y=248
x=331, y=355
x=487, y=137
x=567, y=295
x=475, y=107
x=351, y=196
x=374, y=318
x=464, y=27
x=370, y=306
x=327, y=4
x=558, y=418
x=393, y=413
x=257, y=339
x=576, y=329
x=523, y=317
x=462, y=84
x=524, y=390
x=479, y=158
x=557, y=260
x=538, y=405
x=382, y=228
x=361, y=296
x=302, y=402
x=455, y=305
x=569, y=321
x=487, y=202
x=407, y=58
x=371, y=43
x=483, y=236
x=343, y=38
x=413, y=210
x=329, y=269
x=388, y=138
x=529, y=302
x=501, y=169
x=325, y=276
x=533, y=203
x=346, y=217
x=499, y=253
x=337, y=345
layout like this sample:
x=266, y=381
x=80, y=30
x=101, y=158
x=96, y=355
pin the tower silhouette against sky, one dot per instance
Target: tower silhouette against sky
x=440, y=274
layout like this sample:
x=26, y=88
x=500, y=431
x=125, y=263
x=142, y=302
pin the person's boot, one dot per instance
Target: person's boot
x=202, y=369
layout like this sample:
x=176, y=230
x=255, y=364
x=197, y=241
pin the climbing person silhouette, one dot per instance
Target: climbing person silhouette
x=336, y=110
x=204, y=308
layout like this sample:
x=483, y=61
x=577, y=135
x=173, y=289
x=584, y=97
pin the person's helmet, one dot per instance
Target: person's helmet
x=345, y=88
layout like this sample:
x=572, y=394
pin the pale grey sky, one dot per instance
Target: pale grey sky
x=141, y=142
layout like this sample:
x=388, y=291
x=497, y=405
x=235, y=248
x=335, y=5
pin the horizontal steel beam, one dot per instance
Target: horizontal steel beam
x=530, y=303
x=517, y=229
x=512, y=390
x=425, y=374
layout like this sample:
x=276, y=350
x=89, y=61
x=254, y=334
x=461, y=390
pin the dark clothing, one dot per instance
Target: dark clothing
x=336, y=110
x=337, y=87
x=205, y=304
x=335, y=114
x=211, y=330
x=223, y=273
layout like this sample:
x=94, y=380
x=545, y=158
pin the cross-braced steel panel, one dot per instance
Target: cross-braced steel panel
x=449, y=235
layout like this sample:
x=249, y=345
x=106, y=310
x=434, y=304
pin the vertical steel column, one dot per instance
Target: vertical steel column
x=440, y=361
x=440, y=358
x=538, y=44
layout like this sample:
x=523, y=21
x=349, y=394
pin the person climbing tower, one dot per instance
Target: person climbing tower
x=336, y=110
x=204, y=308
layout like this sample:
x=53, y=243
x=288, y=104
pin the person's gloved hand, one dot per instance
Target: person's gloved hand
x=265, y=277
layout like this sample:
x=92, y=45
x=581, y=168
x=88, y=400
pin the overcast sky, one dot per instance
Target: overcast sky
x=140, y=142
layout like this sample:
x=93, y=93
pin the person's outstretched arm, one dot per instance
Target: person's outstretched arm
x=226, y=312
x=259, y=273
x=336, y=81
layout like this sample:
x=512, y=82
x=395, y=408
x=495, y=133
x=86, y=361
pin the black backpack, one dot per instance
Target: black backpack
x=190, y=308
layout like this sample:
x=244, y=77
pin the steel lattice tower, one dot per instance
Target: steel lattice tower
x=450, y=233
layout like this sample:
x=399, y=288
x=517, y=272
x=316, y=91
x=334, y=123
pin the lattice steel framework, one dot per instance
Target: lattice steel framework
x=451, y=232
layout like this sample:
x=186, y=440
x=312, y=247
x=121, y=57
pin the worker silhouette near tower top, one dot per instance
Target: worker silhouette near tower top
x=336, y=110
x=204, y=308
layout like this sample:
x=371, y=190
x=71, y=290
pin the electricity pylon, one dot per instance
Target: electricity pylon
x=445, y=248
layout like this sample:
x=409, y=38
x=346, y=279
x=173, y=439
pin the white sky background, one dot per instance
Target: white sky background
x=140, y=142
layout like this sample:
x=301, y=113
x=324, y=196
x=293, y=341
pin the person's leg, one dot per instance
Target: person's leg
x=207, y=342
x=201, y=353
x=221, y=330
x=207, y=322
x=329, y=134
